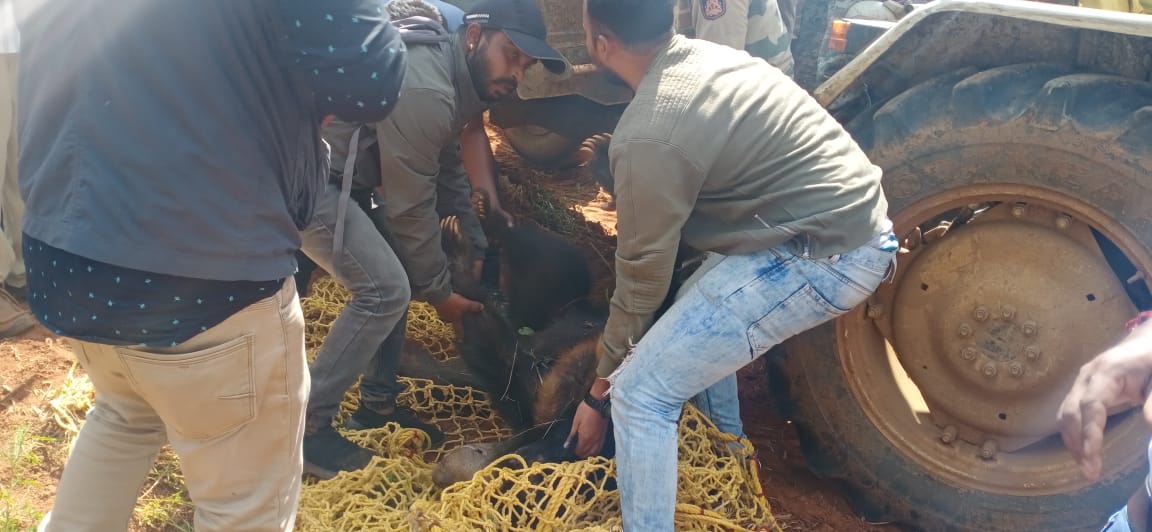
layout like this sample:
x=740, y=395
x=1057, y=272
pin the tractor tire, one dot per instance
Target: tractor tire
x=541, y=146
x=1039, y=130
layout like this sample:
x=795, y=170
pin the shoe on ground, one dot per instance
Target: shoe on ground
x=327, y=453
x=19, y=293
x=14, y=320
x=365, y=418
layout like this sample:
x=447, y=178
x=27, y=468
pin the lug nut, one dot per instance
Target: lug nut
x=988, y=450
x=1063, y=221
x=969, y=353
x=965, y=329
x=1032, y=352
x=1007, y=312
x=980, y=313
x=989, y=370
x=1019, y=210
x=949, y=434
x=1016, y=370
x=1028, y=328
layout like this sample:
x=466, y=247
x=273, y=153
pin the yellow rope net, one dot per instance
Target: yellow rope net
x=719, y=486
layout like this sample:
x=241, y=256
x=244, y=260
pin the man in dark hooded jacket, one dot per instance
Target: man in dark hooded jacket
x=171, y=155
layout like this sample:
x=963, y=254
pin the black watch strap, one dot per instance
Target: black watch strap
x=603, y=406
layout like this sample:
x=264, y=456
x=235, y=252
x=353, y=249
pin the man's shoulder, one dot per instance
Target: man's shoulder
x=646, y=141
x=453, y=15
x=428, y=69
x=695, y=52
x=680, y=80
x=688, y=62
x=708, y=73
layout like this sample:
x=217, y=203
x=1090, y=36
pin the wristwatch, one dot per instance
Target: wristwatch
x=603, y=406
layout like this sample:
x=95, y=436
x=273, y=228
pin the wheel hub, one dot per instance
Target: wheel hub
x=993, y=364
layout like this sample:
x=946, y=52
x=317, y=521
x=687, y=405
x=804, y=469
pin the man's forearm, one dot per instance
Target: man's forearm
x=479, y=163
x=641, y=286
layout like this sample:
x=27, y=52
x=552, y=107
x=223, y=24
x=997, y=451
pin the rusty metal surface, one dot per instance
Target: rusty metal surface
x=987, y=359
x=971, y=334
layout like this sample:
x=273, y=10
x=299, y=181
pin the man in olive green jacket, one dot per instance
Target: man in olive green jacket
x=387, y=255
x=758, y=27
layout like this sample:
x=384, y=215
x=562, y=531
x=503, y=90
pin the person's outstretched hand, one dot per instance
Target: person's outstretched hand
x=453, y=309
x=1118, y=377
x=588, y=426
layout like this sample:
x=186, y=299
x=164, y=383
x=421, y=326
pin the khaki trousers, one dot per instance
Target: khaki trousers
x=231, y=403
x=11, y=205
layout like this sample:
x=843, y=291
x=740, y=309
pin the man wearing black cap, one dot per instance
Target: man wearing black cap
x=392, y=253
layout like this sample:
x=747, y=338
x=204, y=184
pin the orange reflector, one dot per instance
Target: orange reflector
x=838, y=39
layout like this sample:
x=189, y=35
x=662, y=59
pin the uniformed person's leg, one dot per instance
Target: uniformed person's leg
x=13, y=319
x=11, y=205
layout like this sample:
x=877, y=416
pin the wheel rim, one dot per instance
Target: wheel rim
x=968, y=382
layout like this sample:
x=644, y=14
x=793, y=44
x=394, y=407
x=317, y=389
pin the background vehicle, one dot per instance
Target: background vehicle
x=1016, y=139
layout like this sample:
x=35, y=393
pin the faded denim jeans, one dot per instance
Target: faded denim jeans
x=733, y=313
x=1118, y=522
x=367, y=336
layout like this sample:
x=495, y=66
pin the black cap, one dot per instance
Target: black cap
x=523, y=23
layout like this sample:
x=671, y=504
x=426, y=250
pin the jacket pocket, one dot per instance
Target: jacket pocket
x=201, y=395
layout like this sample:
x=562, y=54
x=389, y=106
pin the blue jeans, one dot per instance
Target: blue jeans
x=1118, y=522
x=735, y=312
x=368, y=335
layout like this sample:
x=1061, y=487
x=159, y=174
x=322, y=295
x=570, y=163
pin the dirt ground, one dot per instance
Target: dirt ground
x=31, y=366
x=37, y=363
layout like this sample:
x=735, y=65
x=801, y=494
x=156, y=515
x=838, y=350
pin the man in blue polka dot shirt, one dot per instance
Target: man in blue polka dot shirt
x=171, y=155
